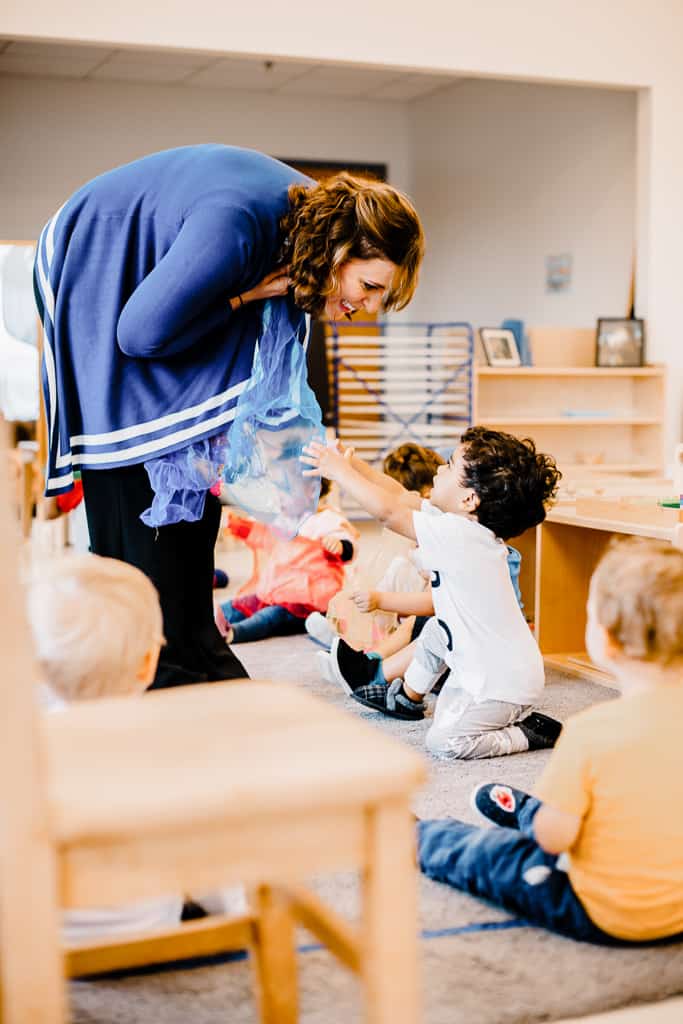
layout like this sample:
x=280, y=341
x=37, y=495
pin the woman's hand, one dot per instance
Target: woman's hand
x=276, y=283
x=332, y=544
x=365, y=600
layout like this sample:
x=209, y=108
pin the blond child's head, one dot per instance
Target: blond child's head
x=414, y=467
x=97, y=626
x=635, y=604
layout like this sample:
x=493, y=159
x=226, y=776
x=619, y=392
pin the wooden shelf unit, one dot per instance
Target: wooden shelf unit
x=575, y=420
x=591, y=418
x=569, y=371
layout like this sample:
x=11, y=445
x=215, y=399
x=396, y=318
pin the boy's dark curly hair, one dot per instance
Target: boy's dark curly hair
x=346, y=218
x=514, y=483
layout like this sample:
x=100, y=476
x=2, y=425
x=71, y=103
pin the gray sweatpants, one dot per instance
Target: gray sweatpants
x=462, y=728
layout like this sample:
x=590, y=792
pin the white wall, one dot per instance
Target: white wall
x=632, y=44
x=58, y=134
x=505, y=174
x=501, y=173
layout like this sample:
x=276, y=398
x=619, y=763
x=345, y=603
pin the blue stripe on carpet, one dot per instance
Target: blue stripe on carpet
x=241, y=954
x=445, y=933
x=465, y=929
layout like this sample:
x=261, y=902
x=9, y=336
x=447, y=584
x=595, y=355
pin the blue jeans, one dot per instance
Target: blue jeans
x=509, y=868
x=269, y=621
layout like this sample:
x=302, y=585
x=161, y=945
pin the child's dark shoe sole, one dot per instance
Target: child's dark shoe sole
x=389, y=701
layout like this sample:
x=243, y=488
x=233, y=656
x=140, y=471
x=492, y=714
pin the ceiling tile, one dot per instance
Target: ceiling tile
x=294, y=78
x=51, y=67
x=339, y=81
x=236, y=73
x=408, y=87
x=160, y=73
x=59, y=51
x=158, y=58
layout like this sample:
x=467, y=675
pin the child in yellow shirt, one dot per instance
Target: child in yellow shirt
x=610, y=796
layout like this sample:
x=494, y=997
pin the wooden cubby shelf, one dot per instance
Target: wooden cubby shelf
x=590, y=418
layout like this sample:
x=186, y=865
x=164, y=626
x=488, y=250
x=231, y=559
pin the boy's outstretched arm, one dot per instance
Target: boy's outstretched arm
x=401, y=602
x=369, y=472
x=375, y=476
x=394, y=510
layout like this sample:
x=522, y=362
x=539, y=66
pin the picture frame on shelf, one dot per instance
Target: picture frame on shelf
x=620, y=341
x=500, y=346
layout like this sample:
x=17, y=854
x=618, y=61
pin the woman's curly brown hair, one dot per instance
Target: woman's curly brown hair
x=346, y=218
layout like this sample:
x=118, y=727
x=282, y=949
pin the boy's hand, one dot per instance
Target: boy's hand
x=332, y=544
x=346, y=450
x=322, y=460
x=365, y=600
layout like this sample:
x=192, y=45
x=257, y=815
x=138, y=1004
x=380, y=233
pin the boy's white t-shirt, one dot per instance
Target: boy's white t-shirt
x=491, y=651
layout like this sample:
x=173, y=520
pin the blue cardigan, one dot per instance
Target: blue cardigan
x=143, y=354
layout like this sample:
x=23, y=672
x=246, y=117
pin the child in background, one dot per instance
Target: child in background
x=414, y=467
x=608, y=802
x=297, y=576
x=97, y=630
x=494, y=487
x=416, y=608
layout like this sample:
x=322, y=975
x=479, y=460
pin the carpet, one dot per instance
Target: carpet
x=478, y=964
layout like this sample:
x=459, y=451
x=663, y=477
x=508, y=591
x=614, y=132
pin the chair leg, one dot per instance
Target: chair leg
x=32, y=986
x=390, y=946
x=274, y=955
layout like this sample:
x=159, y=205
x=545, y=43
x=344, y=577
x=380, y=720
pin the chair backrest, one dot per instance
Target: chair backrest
x=29, y=931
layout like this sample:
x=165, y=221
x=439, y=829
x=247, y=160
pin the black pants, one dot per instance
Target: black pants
x=179, y=561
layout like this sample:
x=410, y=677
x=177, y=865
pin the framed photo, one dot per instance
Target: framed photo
x=620, y=342
x=500, y=346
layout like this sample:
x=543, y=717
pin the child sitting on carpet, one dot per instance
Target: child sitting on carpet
x=397, y=650
x=494, y=487
x=291, y=578
x=611, y=794
x=97, y=630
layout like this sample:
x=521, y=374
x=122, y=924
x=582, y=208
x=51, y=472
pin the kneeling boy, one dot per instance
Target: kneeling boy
x=493, y=488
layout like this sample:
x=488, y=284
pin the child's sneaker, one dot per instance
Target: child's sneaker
x=351, y=668
x=319, y=630
x=498, y=803
x=541, y=731
x=391, y=700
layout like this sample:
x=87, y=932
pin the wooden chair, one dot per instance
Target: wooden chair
x=187, y=790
